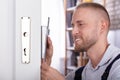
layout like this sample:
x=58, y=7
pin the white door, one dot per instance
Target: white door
x=11, y=66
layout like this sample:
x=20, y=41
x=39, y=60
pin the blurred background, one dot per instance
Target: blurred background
x=60, y=12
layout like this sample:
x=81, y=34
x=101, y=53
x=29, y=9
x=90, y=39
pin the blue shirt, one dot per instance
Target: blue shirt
x=90, y=73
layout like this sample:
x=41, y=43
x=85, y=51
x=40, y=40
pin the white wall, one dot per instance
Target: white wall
x=54, y=9
x=6, y=40
x=117, y=38
x=113, y=37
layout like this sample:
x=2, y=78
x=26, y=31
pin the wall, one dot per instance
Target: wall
x=6, y=40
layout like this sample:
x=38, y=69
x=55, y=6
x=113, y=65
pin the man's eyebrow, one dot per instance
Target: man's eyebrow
x=77, y=21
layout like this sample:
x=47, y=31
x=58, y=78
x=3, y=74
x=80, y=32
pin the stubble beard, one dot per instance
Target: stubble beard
x=84, y=45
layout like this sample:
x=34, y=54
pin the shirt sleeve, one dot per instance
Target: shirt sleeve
x=70, y=76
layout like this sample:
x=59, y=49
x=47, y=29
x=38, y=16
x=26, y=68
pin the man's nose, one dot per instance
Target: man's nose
x=75, y=30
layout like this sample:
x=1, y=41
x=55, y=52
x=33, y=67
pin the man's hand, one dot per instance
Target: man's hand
x=49, y=51
x=50, y=73
x=48, y=58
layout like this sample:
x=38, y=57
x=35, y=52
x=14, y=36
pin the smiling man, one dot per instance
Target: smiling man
x=91, y=24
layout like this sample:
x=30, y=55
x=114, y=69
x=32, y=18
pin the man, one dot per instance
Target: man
x=91, y=24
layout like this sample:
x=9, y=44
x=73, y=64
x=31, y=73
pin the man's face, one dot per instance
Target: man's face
x=85, y=29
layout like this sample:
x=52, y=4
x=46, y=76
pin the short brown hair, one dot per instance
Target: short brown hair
x=95, y=6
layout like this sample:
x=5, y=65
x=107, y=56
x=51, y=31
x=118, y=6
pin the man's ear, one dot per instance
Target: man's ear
x=104, y=26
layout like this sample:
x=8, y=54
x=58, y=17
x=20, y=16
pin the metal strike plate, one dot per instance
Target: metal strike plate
x=25, y=25
x=44, y=34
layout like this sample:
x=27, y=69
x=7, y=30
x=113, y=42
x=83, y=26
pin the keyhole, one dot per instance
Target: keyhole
x=25, y=34
x=25, y=51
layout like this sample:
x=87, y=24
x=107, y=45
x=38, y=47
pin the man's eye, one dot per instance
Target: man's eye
x=80, y=24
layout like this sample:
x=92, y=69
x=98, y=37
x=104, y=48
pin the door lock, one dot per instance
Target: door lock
x=25, y=25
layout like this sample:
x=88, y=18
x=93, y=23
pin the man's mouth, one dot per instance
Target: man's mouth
x=78, y=39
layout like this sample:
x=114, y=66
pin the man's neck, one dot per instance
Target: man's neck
x=96, y=53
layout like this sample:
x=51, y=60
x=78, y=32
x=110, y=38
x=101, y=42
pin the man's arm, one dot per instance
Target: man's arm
x=48, y=72
x=48, y=58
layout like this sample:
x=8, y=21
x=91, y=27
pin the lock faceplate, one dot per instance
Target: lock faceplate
x=26, y=25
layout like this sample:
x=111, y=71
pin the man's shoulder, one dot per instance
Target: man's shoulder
x=115, y=71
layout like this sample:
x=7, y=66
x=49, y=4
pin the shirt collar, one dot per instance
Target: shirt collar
x=106, y=57
x=110, y=52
